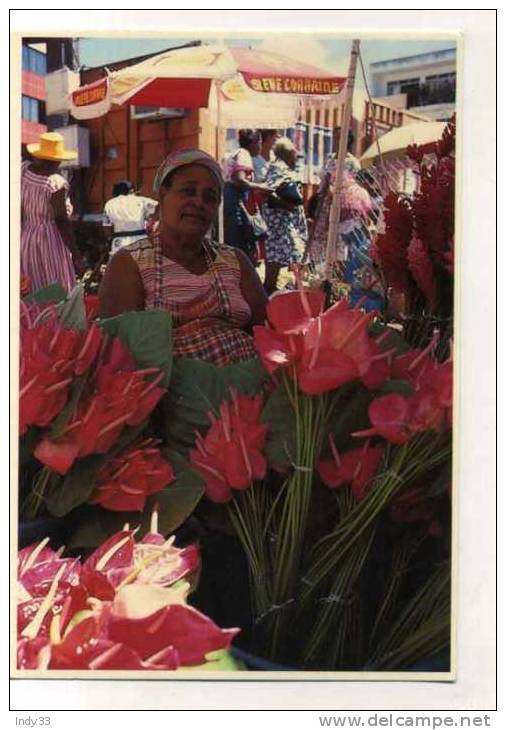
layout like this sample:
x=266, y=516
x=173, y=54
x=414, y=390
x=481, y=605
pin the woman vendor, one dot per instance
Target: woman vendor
x=212, y=292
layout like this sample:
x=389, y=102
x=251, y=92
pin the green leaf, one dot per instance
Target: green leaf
x=76, y=487
x=175, y=503
x=61, y=420
x=280, y=448
x=147, y=335
x=216, y=661
x=97, y=524
x=47, y=295
x=397, y=386
x=178, y=500
x=394, y=339
x=78, y=484
x=197, y=387
x=72, y=312
x=349, y=415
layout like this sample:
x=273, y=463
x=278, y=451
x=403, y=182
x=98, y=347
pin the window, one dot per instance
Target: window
x=33, y=110
x=403, y=86
x=34, y=61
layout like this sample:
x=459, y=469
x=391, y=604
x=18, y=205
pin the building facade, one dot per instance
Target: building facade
x=33, y=106
x=424, y=84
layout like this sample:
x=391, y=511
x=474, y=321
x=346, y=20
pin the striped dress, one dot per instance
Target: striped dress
x=45, y=259
x=208, y=310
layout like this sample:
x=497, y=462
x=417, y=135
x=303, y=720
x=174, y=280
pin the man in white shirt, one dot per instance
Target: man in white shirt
x=126, y=214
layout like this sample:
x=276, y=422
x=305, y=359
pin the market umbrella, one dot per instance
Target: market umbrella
x=394, y=143
x=250, y=85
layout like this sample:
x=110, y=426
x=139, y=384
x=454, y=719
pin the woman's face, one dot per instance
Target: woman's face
x=189, y=206
x=255, y=146
x=289, y=156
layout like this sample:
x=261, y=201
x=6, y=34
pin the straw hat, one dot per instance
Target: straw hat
x=51, y=146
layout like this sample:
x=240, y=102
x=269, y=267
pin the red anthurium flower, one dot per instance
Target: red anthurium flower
x=411, y=505
x=91, y=305
x=50, y=356
x=416, y=366
x=120, y=399
x=57, y=455
x=230, y=456
x=357, y=467
x=119, y=358
x=275, y=349
x=324, y=369
x=89, y=349
x=291, y=313
x=389, y=416
x=380, y=365
x=425, y=412
x=344, y=329
x=125, y=482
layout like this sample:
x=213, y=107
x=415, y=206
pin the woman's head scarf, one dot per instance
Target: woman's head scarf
x=186, y=157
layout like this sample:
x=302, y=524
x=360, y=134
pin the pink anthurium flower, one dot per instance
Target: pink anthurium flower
x=127, y=611
x=189, y=632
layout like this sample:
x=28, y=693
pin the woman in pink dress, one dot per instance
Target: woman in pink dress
x=46, y=233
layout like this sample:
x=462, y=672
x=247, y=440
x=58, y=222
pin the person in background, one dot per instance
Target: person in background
x=238, y=199
x=262, y=161
x=287, y=231
x=126, y=215
x=321, y=207
x=212, y=292
x=48, y=251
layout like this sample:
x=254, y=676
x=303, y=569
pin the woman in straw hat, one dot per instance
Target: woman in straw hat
x=212, y=292
x=46, y=234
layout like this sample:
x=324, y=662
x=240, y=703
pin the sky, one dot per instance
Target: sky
x=331, y=53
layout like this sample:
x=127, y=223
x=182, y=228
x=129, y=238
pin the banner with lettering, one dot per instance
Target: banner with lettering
x=91, y=101
x=271, y=73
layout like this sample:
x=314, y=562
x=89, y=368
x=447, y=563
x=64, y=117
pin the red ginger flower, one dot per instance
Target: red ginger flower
x=230, y=456
x=120, y=399
x=125, y=482
x=389, y=250
x=357, y=467
x=422, y=270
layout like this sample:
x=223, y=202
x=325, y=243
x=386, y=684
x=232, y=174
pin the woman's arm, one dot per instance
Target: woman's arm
x=64, y=224
x=252, y=289
x=121, y=289
x=241, y=182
